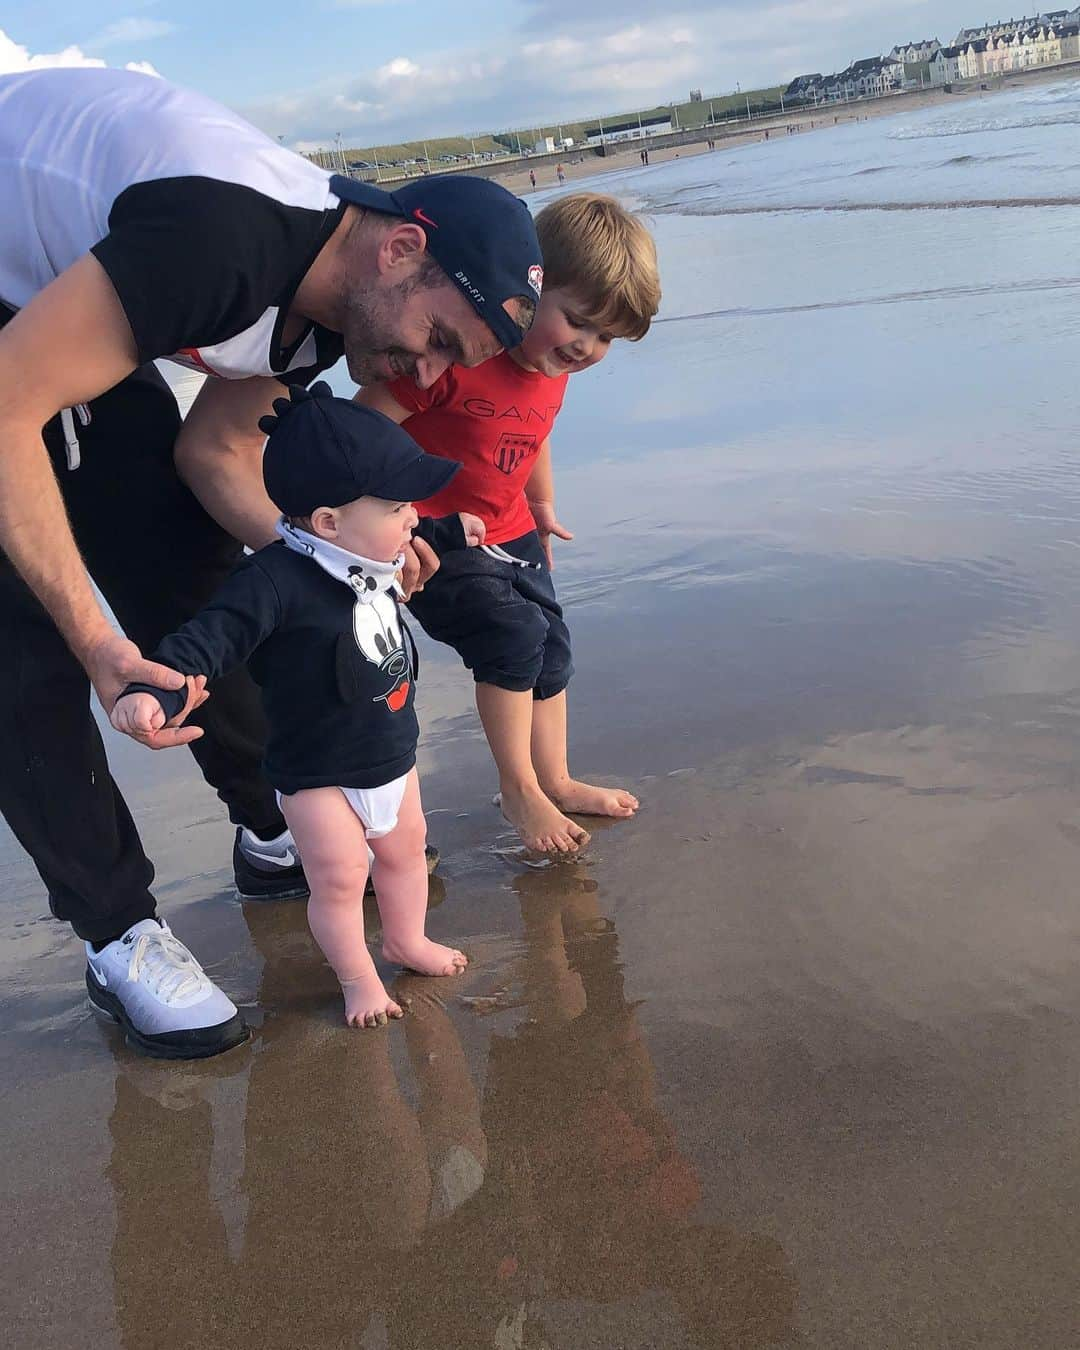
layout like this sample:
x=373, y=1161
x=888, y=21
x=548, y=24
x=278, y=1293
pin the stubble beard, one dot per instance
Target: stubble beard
x=369, y=334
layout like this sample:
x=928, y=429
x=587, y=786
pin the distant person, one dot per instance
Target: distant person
x=496, y=605
x=317, y=615
x=560, y=174
x=532, y=177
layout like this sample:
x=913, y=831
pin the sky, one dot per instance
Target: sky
x=381, y=71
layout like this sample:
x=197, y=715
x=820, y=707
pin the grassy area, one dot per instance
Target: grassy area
x=690, y=115
x=418, y=150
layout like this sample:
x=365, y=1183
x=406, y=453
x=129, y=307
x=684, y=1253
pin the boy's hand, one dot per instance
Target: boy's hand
x=474, y=527
x=547, y=524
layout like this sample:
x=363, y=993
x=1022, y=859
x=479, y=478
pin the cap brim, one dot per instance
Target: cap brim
x=365, y=194
x=418, y=481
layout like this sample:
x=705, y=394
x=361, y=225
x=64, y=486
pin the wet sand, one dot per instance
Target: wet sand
x=792, y=1058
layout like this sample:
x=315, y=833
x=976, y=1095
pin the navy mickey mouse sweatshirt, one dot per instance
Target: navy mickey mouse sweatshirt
x=334, y=662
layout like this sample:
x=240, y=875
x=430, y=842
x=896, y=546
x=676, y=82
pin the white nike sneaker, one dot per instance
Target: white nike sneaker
x=150, y=984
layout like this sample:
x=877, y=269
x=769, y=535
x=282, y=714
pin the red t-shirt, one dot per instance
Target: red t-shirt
x=494, y=419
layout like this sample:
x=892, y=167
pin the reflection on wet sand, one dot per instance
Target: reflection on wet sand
x=386, y=1201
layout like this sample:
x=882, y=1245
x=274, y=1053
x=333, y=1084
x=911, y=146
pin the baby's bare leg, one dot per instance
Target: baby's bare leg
x=333, y=847
x=399, y=873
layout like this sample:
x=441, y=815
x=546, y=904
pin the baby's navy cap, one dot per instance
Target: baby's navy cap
x=481, y=235
x=326, y=451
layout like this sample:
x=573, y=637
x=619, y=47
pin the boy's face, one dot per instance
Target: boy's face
x=563, y=338
x=370, y=526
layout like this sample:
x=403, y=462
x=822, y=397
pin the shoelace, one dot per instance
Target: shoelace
x=171, y=969
x=500, y=554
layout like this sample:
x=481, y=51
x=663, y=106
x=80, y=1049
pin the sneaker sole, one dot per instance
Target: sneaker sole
x=431, y=856
x=229, y=1034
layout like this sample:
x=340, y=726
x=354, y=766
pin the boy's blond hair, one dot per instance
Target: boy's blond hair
x=606, y=256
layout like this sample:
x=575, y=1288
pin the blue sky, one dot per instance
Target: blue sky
x=385, y=70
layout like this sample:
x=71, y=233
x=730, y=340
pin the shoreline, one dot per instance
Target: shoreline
x=515, y=177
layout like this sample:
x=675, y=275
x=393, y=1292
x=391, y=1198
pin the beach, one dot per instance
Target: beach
x=790, y=1059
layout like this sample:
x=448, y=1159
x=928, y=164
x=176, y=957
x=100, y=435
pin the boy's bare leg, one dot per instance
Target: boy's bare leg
x=333, y=847
x=507, y=715
x=401, y=889
x=553, y=774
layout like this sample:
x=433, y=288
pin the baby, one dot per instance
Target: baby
x=316, y=616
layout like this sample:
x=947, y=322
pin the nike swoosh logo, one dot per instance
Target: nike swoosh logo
x=419, y=215
x=101, y=979
x=286, y=859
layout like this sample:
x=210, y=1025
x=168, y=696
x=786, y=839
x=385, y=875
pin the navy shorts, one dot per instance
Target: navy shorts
x=502, y=620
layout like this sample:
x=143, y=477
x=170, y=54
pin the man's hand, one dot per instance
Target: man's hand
x=113, y=663
x=421, y=564
x=474, y=527
x=547, y=525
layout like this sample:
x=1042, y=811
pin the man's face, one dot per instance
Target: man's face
x=412, y=328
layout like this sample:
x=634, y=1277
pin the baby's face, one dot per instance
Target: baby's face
x=374, y=528
x=563, y=338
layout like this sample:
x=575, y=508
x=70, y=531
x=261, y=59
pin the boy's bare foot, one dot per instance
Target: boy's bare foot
x=588, y=799
x=541, y=824
x=426, y=957
x=367, y=1004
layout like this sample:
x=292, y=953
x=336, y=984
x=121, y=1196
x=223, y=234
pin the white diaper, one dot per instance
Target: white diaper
x=376, y=808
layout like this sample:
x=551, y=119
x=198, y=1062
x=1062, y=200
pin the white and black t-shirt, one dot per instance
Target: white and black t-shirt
x=204, y=225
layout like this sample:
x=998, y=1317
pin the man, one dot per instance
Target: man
x=142, y=221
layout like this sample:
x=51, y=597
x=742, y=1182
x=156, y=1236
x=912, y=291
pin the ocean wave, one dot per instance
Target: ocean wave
x=710, y=208
x=961, y=292
x=943, y=130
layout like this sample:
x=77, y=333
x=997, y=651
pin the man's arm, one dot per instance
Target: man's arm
x=540, y=494
x=68, y=345
x=219, y=455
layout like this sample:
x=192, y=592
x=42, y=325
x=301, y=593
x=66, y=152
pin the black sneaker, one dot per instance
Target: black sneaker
x=271, y=869
x=268, y=869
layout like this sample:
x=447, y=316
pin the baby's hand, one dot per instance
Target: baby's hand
x=474, y=527
x=137, y=715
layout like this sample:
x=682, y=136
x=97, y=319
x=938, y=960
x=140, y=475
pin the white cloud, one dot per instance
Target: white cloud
x=15, y=58
x=125, y=32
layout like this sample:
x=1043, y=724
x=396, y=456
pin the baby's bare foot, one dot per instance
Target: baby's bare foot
x=367, y=1004
x=588, y=799
x=540, y=823
x=426, y=957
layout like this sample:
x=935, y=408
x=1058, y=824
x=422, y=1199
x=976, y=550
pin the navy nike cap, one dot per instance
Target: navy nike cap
x=326, y=451
x=481, y=235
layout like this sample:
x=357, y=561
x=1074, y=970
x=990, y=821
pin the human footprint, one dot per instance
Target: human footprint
x=426, y=957
x=367, y=1004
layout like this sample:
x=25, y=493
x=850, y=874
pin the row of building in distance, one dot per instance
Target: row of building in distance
x=994, y=49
